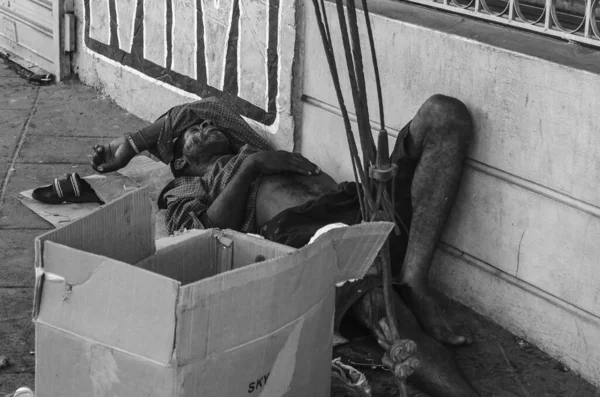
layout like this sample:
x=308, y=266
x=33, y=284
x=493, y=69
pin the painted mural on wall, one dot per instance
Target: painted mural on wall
x=225, y=48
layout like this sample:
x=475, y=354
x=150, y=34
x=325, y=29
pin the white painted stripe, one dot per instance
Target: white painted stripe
x=217, y=29
x=126, y=11
x=100, y=21
x=191, y=97
x=132, y=32
x=173, y=25
x=144, y=6
x=224, y=46
x=166, y=50
x=155, y=35
x=118, y=21
x=185, y=40
x=253, y=40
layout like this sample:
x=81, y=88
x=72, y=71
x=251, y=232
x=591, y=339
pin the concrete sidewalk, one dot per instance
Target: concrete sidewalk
x=47, y=131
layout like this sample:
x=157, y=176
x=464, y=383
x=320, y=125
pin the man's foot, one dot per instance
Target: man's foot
x=432, y=319
x=436, y=372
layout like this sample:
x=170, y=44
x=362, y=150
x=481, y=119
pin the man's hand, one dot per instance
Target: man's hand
x=276, y=161
x=112, y=157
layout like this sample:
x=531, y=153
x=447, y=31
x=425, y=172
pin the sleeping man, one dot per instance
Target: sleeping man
x=229, y=176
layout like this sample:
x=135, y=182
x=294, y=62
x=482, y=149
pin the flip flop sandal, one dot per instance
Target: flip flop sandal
x=69, y=188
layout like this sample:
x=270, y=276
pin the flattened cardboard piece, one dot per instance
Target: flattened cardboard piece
x=108, y=187
x=111, y=187
x=109, y=302
x=57, y=215
x=152, y=174
x=67, y=365
x=141, y=166
x=141, y=171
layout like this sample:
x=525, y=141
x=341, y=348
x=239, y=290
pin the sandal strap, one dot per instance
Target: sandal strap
x=76, y=184
x=67, y=186
x=57, y=189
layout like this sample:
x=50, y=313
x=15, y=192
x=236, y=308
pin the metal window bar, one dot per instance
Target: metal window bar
x=572, y=20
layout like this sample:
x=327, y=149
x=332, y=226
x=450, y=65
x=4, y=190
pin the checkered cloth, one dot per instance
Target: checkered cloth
x=188, y=198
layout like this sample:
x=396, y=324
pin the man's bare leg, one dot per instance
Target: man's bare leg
x=437, y=374
x=439, y=134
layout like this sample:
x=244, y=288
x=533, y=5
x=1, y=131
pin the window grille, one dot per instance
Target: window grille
x=573, y=20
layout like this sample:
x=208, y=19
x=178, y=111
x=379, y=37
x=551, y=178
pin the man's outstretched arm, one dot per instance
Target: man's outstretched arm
x=119, y=152
x=159, y=136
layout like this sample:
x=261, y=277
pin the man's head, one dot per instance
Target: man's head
x=196, y=150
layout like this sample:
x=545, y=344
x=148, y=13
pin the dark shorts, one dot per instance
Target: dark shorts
x=296, y=226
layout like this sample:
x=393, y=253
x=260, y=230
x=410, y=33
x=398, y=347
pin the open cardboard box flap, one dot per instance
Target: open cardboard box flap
x=206, y=303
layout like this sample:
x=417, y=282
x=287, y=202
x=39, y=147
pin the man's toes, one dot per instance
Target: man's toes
x=403, y=349
x=406, y=368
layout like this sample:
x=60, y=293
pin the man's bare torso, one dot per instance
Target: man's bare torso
x=279, y=192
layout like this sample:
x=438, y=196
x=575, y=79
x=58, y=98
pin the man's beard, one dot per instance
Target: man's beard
x=202, y=145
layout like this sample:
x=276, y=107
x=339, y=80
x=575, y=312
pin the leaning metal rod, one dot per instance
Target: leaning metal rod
x=358, y=168
x=375, y=64
x=359, y=108
x=365, y=122
x=382, y=161
x=382, y=165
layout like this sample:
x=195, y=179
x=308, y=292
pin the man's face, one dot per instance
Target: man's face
x=203, y=143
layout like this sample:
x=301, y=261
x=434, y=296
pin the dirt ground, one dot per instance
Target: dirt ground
x=47, y=131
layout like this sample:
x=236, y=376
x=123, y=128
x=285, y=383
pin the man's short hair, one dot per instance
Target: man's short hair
x=178, y=148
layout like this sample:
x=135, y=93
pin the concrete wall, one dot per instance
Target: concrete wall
x=522, y=244
x=149, y=55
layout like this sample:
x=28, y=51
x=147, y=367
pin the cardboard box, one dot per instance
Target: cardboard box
x=117, y=314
